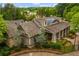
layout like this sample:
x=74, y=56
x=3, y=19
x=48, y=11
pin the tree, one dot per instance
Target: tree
x=41, y=38
x=50, y=11
x=72, y=11
x=70, y=7
x=3, y=28
x=46, y=11
x=60, y=9
x=75, y=22
x=41, y=12
x=18, y=14
x=0, y=7
x=9, y=12
x=68, y=16
x=28, y=15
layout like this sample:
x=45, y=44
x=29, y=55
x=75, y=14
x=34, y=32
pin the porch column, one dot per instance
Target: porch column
x=54, y=37
x=59, y=36
x=29, y=41
x=65, y=32
x=62, y=33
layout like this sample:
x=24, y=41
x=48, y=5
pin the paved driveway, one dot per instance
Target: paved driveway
x=38, y=54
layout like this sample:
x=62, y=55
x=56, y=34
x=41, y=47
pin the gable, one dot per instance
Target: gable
x=30, y=28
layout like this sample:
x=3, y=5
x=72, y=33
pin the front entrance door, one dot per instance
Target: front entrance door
x=49, y=36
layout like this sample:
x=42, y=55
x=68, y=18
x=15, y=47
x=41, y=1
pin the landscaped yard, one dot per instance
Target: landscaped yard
x=39, y=27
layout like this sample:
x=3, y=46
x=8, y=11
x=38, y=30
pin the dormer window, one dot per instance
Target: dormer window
x=50, y=21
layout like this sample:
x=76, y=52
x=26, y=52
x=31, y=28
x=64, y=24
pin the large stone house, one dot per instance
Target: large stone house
x=54, y=27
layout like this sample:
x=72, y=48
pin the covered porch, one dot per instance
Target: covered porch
x=54, y=36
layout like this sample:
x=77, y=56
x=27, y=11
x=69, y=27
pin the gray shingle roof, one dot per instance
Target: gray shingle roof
x=57, y=27
x=30, y=28
x=12, y=27
x=39, y=22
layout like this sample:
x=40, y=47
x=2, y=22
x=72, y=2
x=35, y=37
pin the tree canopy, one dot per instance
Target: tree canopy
x=3, y=28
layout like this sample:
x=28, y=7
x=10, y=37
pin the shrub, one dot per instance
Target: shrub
x=67, y=46
x=5, y=51
x=63, y=45
x=46, y=45
x=67, y=49
x=71, y=34
x=37, y=45
x=56, y=45
x=17, y=49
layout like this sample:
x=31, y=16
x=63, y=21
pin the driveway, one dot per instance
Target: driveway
x=37, y=52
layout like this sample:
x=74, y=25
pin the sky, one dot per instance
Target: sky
x=35, y=4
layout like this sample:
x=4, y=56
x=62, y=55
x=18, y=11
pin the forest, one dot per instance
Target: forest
x=67, y=11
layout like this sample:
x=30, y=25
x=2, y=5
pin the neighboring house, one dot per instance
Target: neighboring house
x=27, y=31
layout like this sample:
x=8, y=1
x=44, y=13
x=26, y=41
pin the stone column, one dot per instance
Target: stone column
x=67, y=31
x=29, y=43
x=54, y=38
x=62, y=33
